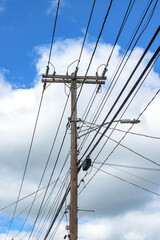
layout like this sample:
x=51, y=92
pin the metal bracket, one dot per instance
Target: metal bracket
x=78, y=120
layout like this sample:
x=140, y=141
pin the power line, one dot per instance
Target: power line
x=19, y=214
x=138, y=134
x=27, y=161
x=131, y=174
x=131, y=150
x=48, y=182
x=54, y=29
x=88, y=69
x=93, y=53
x=128, y=166
x=96, y=126
x=29, y=195
x=121, y=61
x=93, y=97
x=130, y=6
x=33, y=130
x=137, y=118
x=128, y=96
x=95, y=47
x=121, y=141
x=56, y=228
x=118, y=143
x=104, y=101
x=89, y=21
x=133, y=184
x=58, y=211
x=128, y=11
x=54, y=205
x=51, y=193
x=45, y=168
x=113, y=78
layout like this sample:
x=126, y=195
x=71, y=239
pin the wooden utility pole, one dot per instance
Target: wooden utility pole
x=73, y=177
x=73, y=80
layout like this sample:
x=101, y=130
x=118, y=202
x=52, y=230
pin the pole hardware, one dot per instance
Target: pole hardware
x=86, y=210
x=86, y=163
x=68, y=79
x=78, y=120
x=73, y=79
x=134, y=121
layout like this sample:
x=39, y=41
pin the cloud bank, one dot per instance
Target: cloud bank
x=121, y=211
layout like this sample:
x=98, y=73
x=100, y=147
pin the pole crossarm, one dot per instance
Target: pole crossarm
x=68, y=79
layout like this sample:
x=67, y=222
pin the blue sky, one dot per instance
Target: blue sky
x=25, y=36
x=26, y=24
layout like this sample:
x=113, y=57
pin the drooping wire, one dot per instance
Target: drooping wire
x=34, y=129
x=128, y=11
x=58, y=211
x=121, y=141
x=84, y=40
x=53, y=188
x=131, y=174
x=40, y=208
x=46, y=165
x=94, y=127
x=86, y=32
x=138, y=134
x=128, y=166
x=56, y=228
x=28, y=205
x=49, y=197
x=88, y=108
x=133, y=184
x=93, y=53
x=54, y=206
x=91, y=61
x=132, y=124
x=27, y=161
x=100, y=109
x=121, y=92
x=29, y=195
x=105, y=98
x=53, y=35
x=119, y=33
x=19, y=214
x=89, y=21
x=131, y=150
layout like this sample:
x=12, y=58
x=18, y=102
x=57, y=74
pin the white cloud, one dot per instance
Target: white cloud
x=2, y=5
x=1, y=9
x=115, y=202
x=53, y=6
x=135, y=225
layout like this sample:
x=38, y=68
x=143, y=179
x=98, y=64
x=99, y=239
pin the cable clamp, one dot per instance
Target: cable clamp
x=77, y=120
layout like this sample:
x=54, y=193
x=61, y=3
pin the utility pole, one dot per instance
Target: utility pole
x=73, y=80
x=73, y=177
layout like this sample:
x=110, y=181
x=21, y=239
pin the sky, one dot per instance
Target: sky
x=122, y=209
